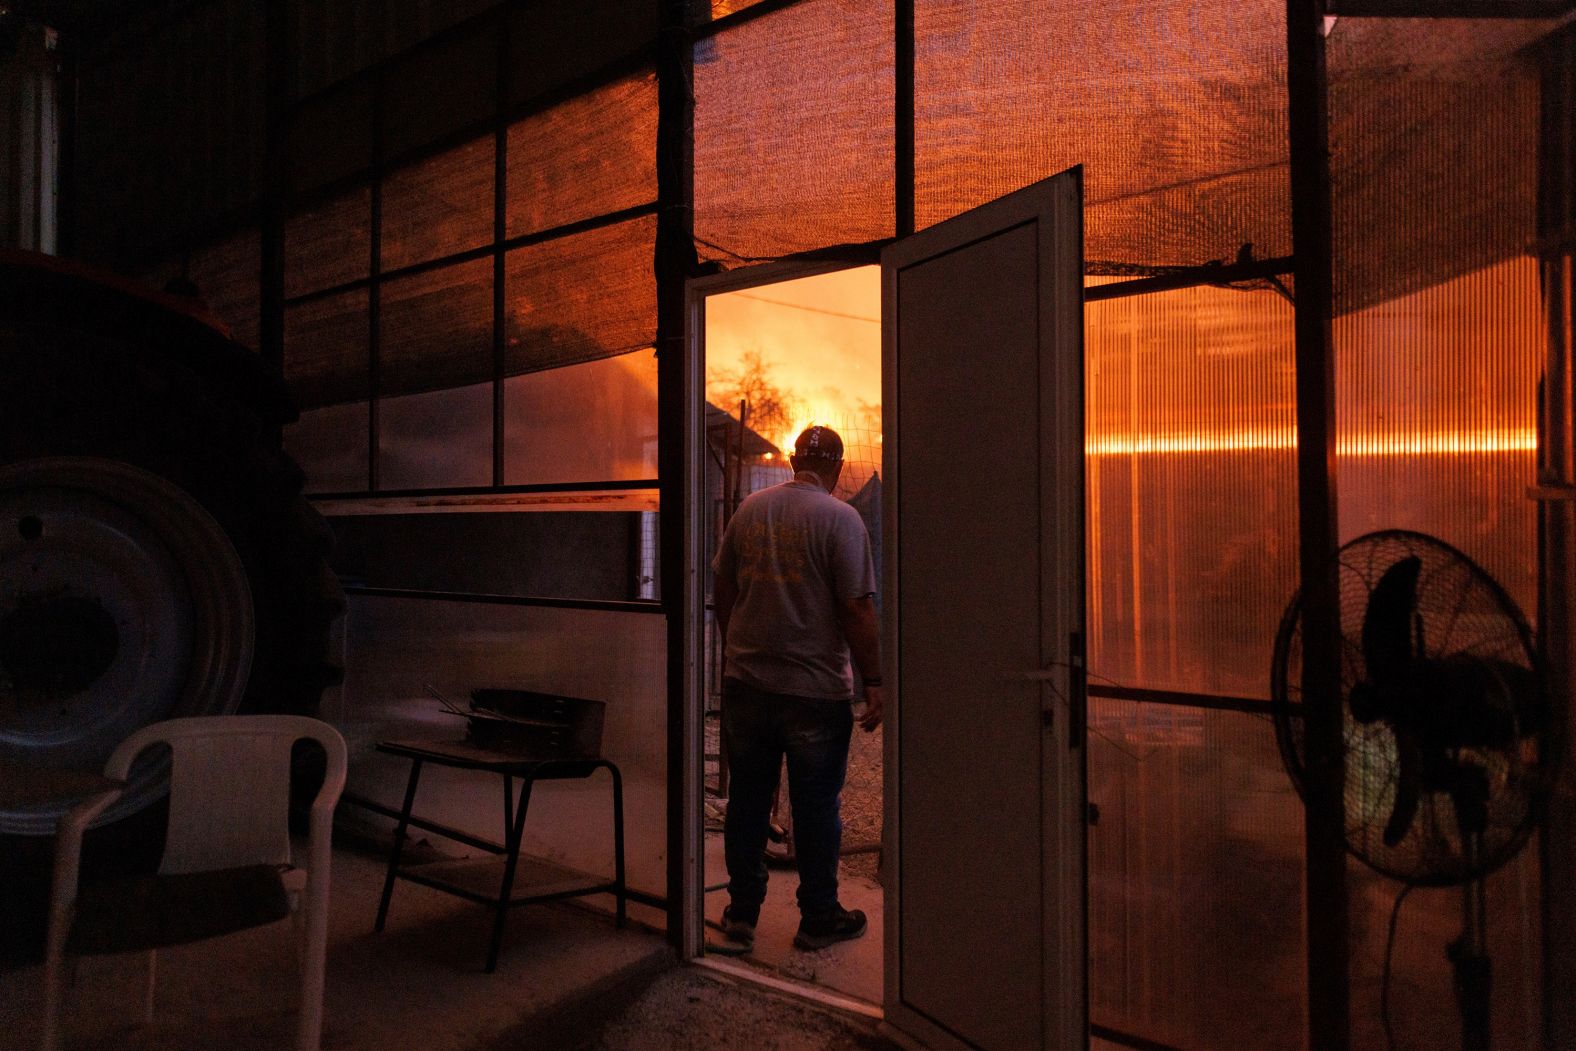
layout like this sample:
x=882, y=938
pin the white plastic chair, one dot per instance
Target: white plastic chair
x=229, y=802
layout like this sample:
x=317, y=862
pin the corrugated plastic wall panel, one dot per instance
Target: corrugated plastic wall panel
x=1192, y=488
x=1439, y=344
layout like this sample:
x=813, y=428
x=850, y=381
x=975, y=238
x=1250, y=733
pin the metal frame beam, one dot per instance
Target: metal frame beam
x=1326, y=919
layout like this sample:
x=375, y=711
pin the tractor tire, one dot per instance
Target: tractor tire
x=111, y=385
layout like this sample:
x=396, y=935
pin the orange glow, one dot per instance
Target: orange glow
x=1426, y=443
x=820, y=340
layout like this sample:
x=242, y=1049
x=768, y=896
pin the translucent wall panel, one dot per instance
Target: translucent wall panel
x=589, y=156
x=579, y=298
x=1436, y=410
x=437, y=440
x=396, y=647
x=330, y=445
x=485, y=553
x=440, y=205
x=325, y=355
x=1192, y=488
x=1195, y=879
x=584, y=423
x=1422, y=1002
x=794, y=131
x=1439, y=343
x=329, y=244
x=1176, y=109
x=436, y=329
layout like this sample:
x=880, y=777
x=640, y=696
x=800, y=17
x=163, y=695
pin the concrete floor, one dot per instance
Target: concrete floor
x=852, y=968
x=418, y=985
x=568, y=980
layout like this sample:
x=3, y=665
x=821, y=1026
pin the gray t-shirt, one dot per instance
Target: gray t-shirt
x=794, y=551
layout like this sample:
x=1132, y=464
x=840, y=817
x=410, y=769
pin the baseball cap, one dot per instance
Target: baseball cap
x=818, y=443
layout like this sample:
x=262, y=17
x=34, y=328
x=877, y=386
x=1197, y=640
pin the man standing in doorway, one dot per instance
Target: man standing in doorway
x=795, y=597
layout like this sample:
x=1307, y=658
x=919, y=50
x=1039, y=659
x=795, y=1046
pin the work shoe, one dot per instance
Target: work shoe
x=840, y=925
x=736, y=927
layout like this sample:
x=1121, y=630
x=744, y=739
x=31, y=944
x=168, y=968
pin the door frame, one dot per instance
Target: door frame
x=1063, y=841
x=691, y=780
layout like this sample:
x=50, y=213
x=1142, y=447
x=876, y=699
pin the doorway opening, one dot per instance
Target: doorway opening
x=776, y=352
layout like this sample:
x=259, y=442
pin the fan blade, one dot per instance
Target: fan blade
x=1387, y=623
x=1408, y=787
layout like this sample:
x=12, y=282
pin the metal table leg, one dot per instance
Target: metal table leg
x=511, y=861
x=399, y=844
x=618, y=839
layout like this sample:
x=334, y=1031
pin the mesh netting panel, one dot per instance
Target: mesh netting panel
x=1433, y=141
x=441, y=205
x=577, y=298
x=794, y=131
x=436, y=329
x=592, y=155
x=226, y=274
x=326, y=349
x=1176, y=109
x=330, y=244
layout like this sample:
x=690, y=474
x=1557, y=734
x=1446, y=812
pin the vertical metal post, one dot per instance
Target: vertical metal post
x=271, y=221
x=375, y=284
x=673, y=265
x=903, y=126
x=500, y=232
x=1326, y=913
x=1557, y=531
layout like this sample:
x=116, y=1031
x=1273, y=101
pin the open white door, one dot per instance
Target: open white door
x=985, y=874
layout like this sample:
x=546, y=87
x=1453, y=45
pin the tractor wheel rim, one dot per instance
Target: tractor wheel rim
x=122, y=602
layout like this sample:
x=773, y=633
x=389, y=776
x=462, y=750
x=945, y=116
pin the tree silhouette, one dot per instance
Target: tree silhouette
x=771, y=407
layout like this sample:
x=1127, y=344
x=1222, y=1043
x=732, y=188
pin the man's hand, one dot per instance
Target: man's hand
x=875, y=705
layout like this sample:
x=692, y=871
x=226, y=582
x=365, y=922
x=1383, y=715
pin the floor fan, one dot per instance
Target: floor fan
x=1443, y=725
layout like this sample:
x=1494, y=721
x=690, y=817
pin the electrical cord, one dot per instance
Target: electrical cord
x=1389, y=956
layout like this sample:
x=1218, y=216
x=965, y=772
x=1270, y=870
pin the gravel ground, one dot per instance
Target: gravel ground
x=688, y=1009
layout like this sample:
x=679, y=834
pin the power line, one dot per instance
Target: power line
x=813, y=310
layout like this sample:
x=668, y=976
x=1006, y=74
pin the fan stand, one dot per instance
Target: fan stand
x=1468, y=954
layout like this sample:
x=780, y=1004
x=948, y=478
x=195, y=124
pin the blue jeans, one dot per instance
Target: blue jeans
x=758, y=729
